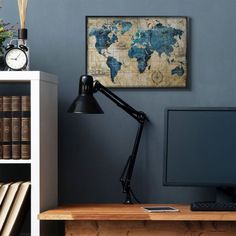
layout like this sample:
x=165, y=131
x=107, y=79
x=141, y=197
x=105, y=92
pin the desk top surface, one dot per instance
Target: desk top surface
x=131, y=212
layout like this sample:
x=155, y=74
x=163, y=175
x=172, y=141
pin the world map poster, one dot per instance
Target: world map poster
x=141, y=52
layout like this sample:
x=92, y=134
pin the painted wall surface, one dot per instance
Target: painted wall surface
x=94, y=149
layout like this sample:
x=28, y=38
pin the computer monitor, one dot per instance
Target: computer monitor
x=200, y=147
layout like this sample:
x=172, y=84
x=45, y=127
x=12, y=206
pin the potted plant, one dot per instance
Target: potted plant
x=6, y=32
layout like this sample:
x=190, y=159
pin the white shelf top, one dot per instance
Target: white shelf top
x=11, y=161
x=26, y=76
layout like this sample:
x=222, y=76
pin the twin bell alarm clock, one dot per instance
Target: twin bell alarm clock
x=16, y=56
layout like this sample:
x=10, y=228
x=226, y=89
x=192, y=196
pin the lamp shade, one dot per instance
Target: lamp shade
x=85, y=101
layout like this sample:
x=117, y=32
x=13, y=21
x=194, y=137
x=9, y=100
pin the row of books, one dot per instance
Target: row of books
x=14, y=127
x=14, y=204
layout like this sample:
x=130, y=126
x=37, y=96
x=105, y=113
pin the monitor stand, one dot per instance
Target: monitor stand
x=225, y=194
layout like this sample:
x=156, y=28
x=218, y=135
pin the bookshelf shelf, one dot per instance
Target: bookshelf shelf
x=15, y=161
x=42, y=168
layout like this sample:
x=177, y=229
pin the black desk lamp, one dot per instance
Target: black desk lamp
x=86, y=103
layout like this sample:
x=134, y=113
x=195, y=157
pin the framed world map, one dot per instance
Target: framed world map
x=137, y=52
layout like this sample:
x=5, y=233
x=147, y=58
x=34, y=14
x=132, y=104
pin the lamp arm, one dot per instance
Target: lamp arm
x=127, y=173
x=140, y=116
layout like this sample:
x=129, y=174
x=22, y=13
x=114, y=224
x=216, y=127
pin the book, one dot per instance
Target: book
x=7, y=203
x=7, y=134
x=3, y=191
x=16, y=127
x=1, y=184
x=25, y=127
x=18, y=211
x=1, y=126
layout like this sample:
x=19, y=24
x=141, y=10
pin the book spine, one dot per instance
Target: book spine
x=25, y=127
x=16, y=127
x=7, y=127
x=1, y=126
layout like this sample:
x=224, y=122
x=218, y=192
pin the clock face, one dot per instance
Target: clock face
x=16, y=59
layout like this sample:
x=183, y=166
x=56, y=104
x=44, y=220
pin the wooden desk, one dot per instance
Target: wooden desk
x=132, y=220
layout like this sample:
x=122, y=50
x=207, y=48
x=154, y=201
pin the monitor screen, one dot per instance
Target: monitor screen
x=200, y=147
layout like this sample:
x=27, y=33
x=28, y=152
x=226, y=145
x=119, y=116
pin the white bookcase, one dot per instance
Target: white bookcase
x=43, y=163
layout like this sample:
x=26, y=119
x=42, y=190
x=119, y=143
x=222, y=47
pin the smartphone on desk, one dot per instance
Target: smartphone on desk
x=160, y=209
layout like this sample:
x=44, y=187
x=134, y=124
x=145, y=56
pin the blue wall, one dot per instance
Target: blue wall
x=93, y=149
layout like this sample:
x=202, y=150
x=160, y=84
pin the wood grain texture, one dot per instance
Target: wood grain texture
x=117, y=212
x=149, y=228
